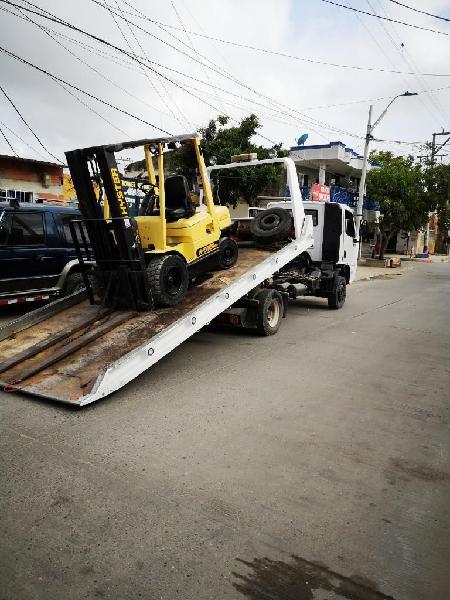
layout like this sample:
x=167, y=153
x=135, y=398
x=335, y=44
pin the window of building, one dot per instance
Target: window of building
x=314, y=214
x=349, y=224
x=7, y=195
x=26, y=229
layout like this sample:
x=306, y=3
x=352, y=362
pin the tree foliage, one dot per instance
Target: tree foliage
x=399, y=187
x=437, y=184
x=220, y=142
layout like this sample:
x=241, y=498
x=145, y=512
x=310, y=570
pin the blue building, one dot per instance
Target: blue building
x=335, y=166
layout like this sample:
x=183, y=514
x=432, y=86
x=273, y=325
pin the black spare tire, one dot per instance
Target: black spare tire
x=271, y=225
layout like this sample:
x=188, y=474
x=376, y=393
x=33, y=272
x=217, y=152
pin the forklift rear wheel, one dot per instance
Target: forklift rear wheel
x=336, y=299
x=269, y=312
x=168, y=278
x=228, y=253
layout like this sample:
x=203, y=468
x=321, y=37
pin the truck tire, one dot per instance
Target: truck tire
x=168, y=279
x=228, y=253
x=271, y=225
x=269, y=312
x=74, y=283
x=336, y=299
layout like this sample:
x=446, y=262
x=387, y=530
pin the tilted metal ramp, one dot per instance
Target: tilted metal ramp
x=73, y=352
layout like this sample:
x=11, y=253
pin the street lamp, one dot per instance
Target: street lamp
x=369, y=136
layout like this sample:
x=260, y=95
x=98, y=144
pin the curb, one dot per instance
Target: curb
x=389, y=274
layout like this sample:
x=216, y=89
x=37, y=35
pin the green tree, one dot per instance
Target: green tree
x=399, y=188
x=437, y=182
x=221, y=142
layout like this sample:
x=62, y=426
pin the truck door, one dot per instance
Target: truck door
x=350, y=244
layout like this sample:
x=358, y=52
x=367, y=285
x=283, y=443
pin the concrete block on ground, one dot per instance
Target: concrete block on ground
x=395, y=262
x=374, y=262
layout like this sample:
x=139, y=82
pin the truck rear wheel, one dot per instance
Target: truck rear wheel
x=271, y=225
x=336, y=299
x=168, y=278
x=228, y=253
x=269, y=312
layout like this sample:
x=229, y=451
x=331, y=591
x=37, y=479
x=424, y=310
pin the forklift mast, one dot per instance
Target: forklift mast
x=115, y=241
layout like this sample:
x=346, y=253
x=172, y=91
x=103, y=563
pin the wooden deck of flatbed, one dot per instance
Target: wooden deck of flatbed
x=74, y=376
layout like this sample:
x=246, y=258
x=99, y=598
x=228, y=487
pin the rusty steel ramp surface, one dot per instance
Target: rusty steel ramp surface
x=77, y=353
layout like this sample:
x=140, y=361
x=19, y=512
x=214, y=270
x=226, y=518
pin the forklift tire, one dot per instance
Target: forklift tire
x=269, y=312
x=336, y=299
x=228, y=253
x=271, y=225
x=168, y=279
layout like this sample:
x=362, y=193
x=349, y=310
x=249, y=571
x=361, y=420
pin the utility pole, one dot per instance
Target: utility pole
x=437, y=148
x=362, y=183
x=369, y=137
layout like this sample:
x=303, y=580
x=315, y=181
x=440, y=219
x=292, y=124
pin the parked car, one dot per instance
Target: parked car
x=37, y=256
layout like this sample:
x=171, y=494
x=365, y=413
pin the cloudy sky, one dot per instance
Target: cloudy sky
x=192, y=78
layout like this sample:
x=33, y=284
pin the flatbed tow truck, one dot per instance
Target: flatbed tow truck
x=78, y=350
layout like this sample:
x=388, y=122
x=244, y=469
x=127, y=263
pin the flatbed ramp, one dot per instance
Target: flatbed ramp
x=80, y=353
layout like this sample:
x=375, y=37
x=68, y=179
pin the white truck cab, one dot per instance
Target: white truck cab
x=334, y=234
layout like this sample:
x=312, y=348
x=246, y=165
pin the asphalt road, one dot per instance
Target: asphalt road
x=310, y=465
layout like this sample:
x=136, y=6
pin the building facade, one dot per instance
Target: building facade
x=28, y=180
x=331, y=172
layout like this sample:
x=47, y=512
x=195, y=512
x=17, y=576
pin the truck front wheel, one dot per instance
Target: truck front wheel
x=336, y=299
x=269, y=312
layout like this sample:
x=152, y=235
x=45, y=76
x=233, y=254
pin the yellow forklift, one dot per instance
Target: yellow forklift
x=146, y=260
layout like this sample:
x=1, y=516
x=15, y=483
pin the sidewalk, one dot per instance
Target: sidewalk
x=368, y=272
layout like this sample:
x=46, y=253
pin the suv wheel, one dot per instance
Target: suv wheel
x=74, y=283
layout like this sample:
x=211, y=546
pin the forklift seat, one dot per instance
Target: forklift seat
x=178, y=198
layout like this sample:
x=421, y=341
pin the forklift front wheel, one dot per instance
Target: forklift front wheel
x=168, y=278
x=228, y=253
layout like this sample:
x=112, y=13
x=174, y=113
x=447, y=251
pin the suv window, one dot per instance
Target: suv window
x=26, y=229
x=314, y=214
x=349, y=224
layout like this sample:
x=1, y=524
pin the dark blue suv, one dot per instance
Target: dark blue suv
x=37, y=255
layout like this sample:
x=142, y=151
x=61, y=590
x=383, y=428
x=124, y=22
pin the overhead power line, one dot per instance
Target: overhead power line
x=417, y=10
x=305, y=120
x=404, y=55
x=145, y=72
x=279, y=53
x=49, y=16
x=71, y=85
x=15, y=134
x=27, y=124
x=364, y=12
x=8, y=142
